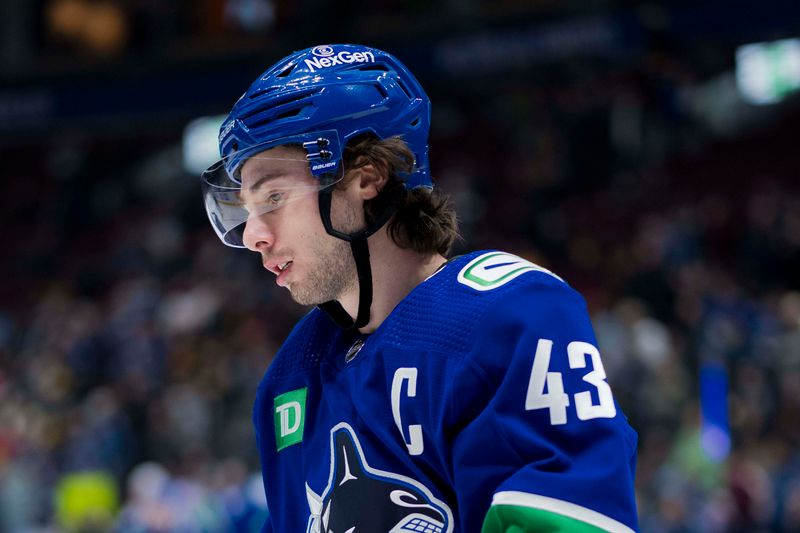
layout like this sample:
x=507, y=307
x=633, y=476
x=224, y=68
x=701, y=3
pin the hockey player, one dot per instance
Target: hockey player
x=420, y=394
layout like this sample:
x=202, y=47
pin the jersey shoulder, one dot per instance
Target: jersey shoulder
x=452, y=308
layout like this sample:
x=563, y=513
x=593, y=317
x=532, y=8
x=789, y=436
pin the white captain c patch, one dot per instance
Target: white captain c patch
x=494, y=269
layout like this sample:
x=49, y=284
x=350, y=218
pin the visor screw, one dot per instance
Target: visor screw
x=325, y=154
x=321, y=142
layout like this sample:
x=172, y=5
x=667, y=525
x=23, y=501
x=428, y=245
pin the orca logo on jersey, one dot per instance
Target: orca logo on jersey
x=362, y=499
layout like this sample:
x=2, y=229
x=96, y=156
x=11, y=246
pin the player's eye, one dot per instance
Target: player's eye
x=274, y=198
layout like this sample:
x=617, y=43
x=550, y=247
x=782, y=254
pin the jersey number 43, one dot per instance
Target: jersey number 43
x=555, y=399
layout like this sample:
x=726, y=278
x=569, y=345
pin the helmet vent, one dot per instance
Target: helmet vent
x=404, y=87
x=279, y=102
x=291, y=113
x=373, y=67
x=381, y=89
x=298, y=96
x=285, y=72
x=256, y=94
x=259, y=119
x=414, y=123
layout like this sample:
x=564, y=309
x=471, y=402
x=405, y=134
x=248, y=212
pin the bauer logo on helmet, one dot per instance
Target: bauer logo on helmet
x=226, y=130
x=322, y=166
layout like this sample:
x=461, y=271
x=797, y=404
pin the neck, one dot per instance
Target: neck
x=395, y=273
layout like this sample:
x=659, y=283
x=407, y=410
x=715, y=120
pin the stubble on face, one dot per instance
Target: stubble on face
x=331, y=271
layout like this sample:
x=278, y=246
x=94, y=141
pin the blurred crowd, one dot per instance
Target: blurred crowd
x=132, y=341
x=131, y=350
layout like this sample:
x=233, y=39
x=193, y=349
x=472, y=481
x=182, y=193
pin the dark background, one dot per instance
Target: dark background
x=605, y=140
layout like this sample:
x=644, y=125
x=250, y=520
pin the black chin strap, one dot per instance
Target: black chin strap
x=360, y=250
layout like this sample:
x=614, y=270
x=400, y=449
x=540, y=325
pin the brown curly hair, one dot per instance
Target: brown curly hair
x=425, y=219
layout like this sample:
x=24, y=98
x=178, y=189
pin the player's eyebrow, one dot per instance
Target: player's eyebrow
x=262, y=179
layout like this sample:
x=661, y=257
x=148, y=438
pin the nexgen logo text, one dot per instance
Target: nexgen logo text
x=339, y=59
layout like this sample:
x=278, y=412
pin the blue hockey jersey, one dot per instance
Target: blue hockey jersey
x=480, y=403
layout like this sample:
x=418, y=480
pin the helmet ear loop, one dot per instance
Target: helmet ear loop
x=360, y=250
x=325, y=201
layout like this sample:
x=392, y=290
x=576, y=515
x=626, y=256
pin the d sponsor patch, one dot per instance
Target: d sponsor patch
x=290, y=418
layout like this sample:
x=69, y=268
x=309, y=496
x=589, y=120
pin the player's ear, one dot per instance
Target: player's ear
x=366, y=179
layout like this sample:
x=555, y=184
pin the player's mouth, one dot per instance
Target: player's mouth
x=282, y=272
x=276, y=267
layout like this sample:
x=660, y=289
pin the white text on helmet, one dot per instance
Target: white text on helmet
x=321, y=166
x=226, y=130
x=342, y=57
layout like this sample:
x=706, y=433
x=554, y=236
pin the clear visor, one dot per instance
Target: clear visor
x=275, y=175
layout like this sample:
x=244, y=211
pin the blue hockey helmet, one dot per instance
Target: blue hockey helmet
x=347, y=88
x=318, y=98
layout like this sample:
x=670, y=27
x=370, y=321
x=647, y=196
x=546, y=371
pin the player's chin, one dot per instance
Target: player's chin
x=302, y=295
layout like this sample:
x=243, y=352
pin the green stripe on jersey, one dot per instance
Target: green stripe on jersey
x=522, y=512
x=516, y=519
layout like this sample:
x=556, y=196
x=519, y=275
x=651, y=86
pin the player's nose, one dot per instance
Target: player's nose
x=258, y=235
